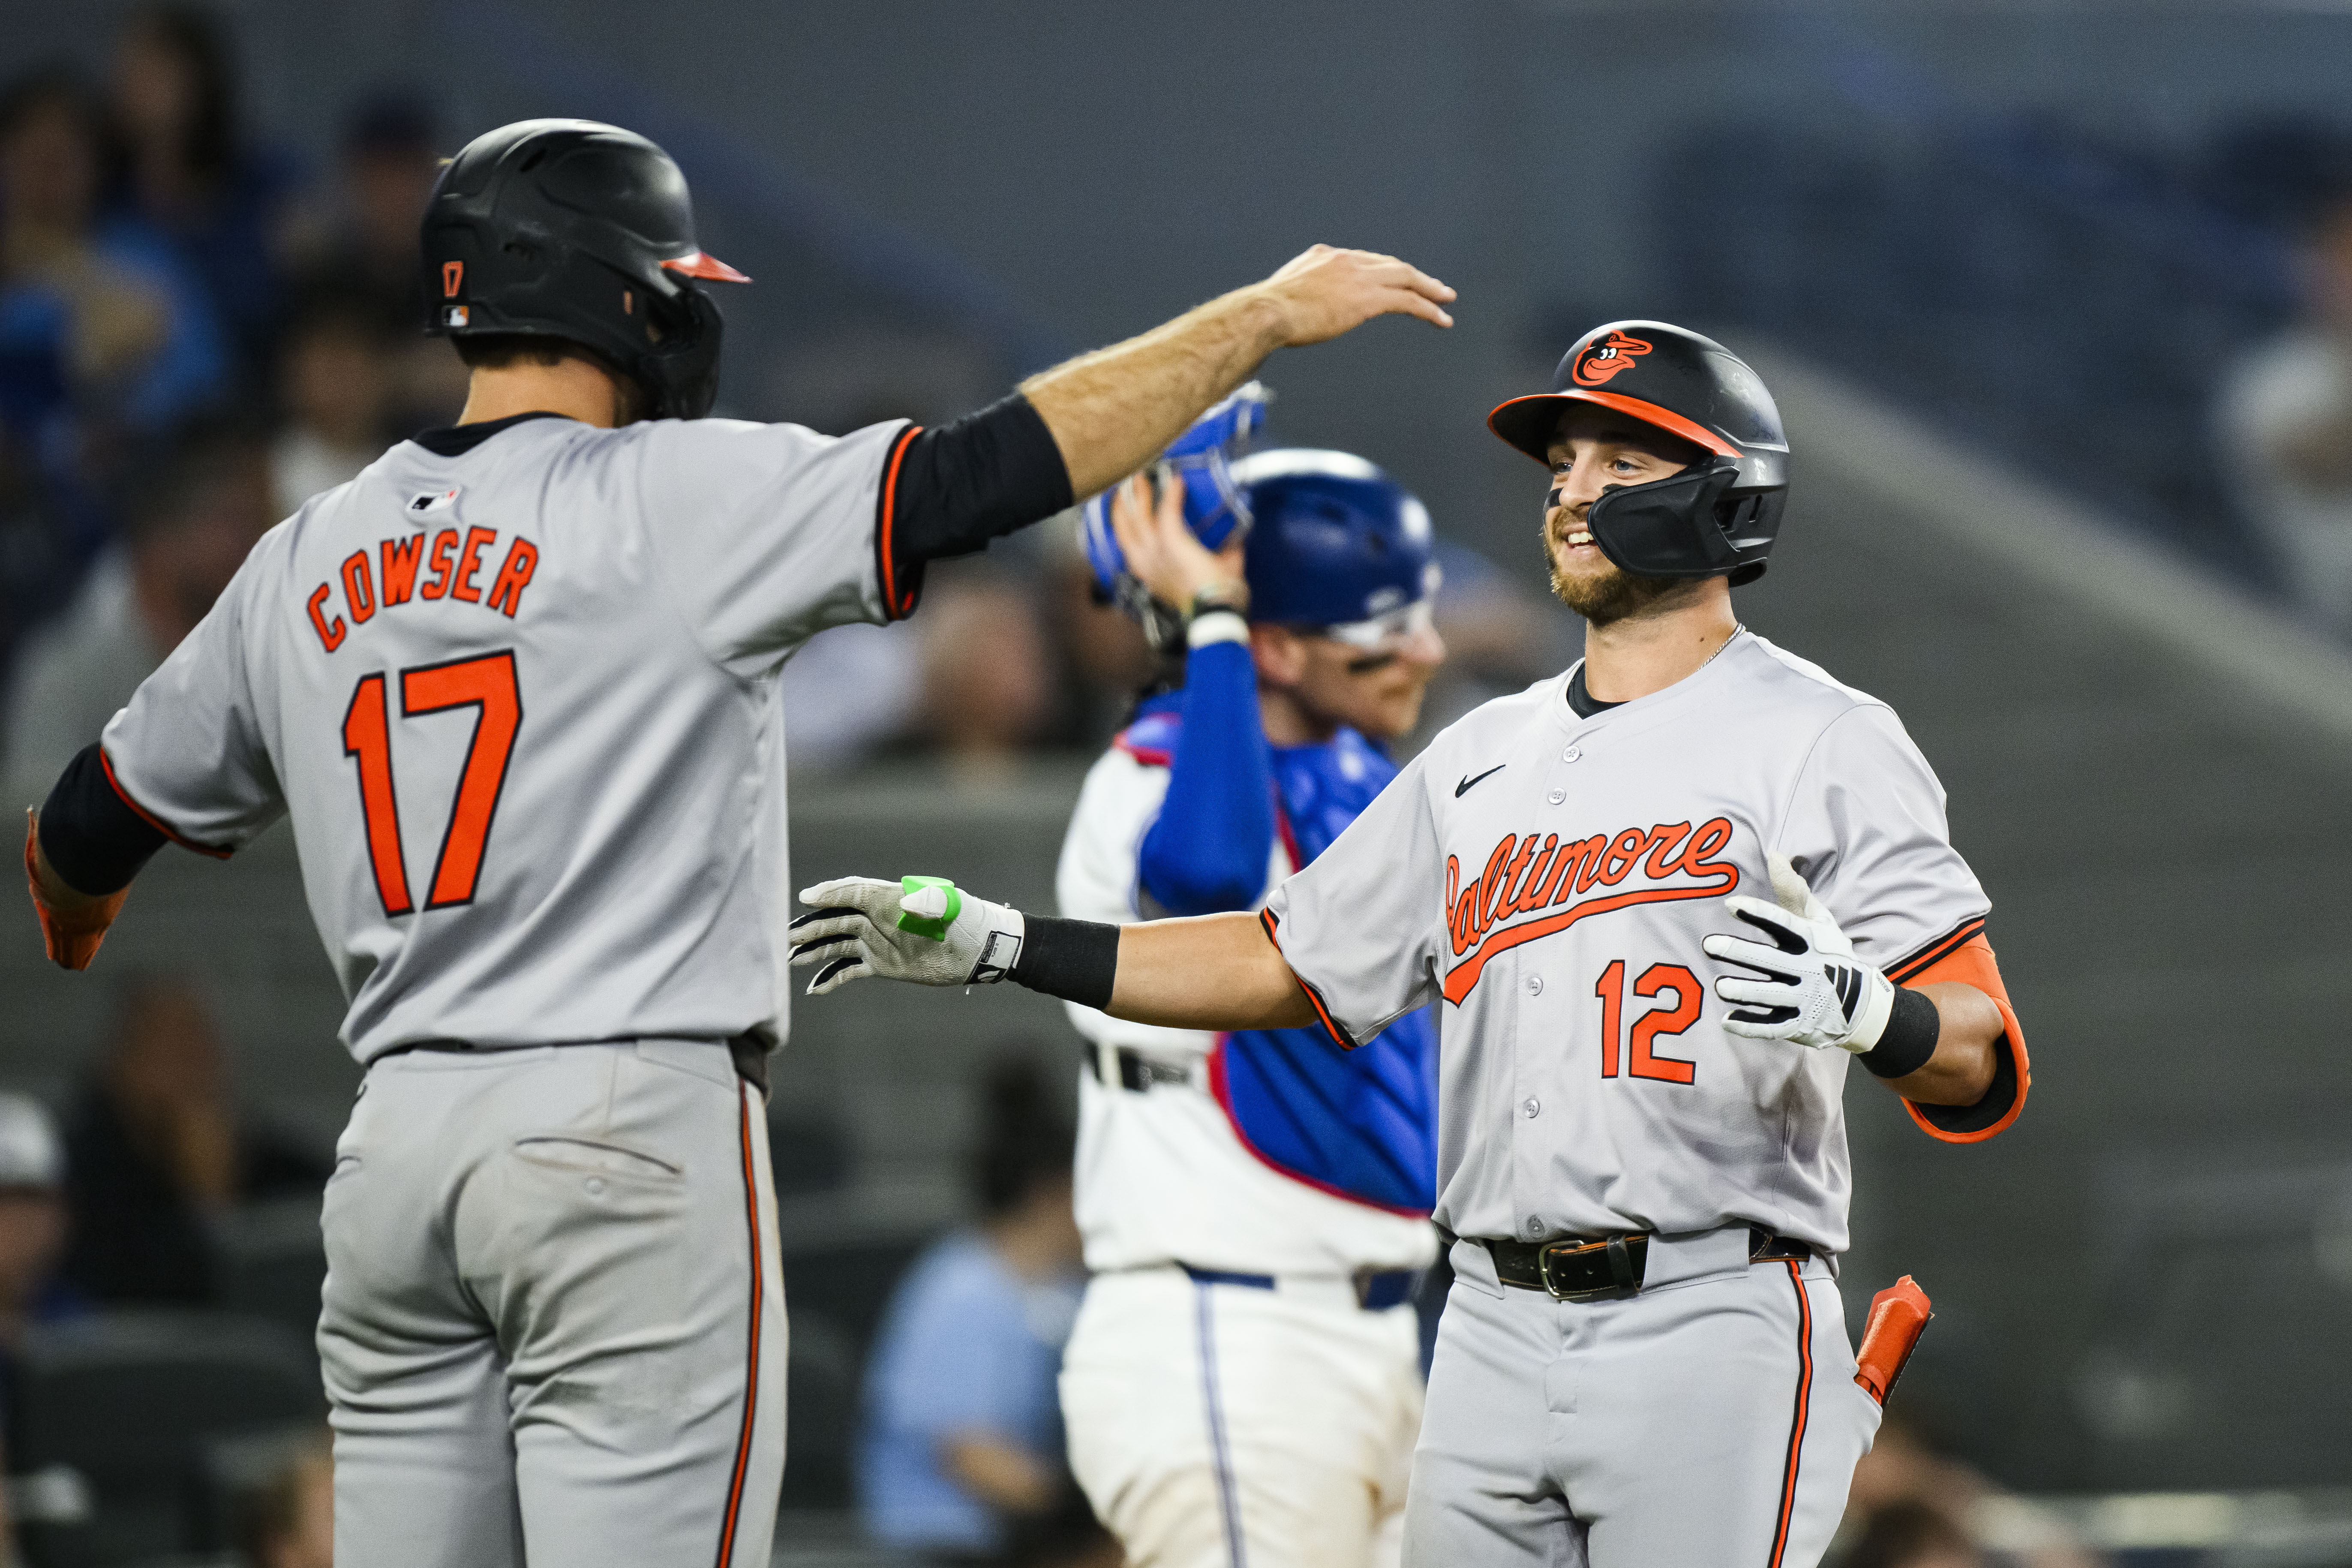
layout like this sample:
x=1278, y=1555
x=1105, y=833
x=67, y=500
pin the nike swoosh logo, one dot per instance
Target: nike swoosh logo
x=1467, y=782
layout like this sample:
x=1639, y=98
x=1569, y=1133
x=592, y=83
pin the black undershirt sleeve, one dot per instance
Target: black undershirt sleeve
x=949, y=491
x=92, y=838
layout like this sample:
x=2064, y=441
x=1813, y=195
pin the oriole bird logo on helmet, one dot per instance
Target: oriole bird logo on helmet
x=1605, y=359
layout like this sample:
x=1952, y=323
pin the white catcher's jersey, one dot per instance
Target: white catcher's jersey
x=1552, y=877
x=1161, y=1177
x=517, y=696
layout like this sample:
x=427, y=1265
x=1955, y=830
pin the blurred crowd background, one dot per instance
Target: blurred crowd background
x=2098, y=251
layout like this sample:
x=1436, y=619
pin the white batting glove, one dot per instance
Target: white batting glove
x=1809, y=988
x=925, y=930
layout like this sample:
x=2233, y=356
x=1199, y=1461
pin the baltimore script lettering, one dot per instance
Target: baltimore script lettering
x=1523, y=876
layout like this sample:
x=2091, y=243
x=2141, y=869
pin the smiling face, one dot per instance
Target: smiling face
x=1592, y=448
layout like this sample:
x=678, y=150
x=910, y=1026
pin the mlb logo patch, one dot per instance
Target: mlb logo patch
x=432, y=500
x=455, y=316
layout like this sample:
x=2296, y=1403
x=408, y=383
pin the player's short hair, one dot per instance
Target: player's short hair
x=501, y=351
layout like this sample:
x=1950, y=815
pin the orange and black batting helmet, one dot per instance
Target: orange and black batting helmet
x=1719, y=517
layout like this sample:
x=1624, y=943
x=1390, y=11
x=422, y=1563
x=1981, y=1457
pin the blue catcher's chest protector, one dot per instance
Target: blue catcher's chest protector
x=1360, y=1125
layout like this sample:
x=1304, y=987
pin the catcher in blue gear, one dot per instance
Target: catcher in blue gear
x=1243, y=1384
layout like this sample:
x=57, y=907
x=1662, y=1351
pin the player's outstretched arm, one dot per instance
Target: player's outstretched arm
x=1214, y=972
x=1112, y=411
x=1081, y=427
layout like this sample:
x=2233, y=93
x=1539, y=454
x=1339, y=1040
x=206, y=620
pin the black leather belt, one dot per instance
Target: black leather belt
x=1588, y=1269
x=747, y=1051
x=749, y=1054
x=1132, y=1070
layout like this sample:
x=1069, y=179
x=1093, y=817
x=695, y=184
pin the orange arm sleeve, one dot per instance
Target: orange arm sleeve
x=1967, y=958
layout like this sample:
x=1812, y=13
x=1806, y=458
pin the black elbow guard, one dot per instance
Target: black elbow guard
x=949, y=491
x=92, y=838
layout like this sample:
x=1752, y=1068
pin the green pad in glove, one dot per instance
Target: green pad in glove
x=934, y=928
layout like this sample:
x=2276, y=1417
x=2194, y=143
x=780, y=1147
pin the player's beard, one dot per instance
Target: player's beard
x=1613, y=596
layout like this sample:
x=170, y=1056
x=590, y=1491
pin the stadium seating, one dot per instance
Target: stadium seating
x=113, y=1412
x=269, y=1262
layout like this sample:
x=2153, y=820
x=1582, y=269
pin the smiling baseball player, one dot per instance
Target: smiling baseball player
x=1667, y=898
x=515, y=687
x=1243, y=1381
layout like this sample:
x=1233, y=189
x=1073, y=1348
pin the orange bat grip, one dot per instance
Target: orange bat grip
x=1898, y=1315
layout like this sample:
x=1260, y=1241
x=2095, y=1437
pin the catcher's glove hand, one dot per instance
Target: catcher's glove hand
x=921, y=929
x=1809, y=988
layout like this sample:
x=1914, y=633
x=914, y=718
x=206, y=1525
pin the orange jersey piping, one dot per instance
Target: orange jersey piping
x=149, y=818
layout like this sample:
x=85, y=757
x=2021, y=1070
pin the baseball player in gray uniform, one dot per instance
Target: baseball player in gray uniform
x=515, y=687
x=1667, y=897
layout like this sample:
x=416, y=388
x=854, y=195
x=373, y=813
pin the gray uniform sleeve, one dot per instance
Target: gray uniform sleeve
x=1865, y=827
x=1363, y=926
x=768, y=533
x=188, y=753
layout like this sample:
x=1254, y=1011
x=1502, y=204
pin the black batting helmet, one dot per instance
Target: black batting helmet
x=1717, y=517
x=567, y=229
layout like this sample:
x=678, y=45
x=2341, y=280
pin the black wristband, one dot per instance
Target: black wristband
x=1912, y=1031
x=1074, y=960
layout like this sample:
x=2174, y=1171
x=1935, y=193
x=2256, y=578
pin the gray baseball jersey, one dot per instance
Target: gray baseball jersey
x=1551, y=878
x=517, y=697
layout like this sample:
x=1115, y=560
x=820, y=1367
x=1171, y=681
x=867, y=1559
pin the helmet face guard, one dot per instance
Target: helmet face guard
x=1701, y=523
x=1719, y=517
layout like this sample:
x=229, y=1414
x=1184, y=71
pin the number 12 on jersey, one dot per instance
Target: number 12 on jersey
x=1642, y=1059
x=487, y=685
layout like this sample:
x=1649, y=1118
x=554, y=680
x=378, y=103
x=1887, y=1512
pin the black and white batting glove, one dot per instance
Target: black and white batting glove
x=925, y=930
x=1805, y=984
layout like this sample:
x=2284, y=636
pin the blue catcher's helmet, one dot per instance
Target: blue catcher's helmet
x=1202, y=458
x=1334, y=544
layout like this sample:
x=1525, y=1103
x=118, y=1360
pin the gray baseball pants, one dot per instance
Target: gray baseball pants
x=554, y=1327
x=1711, y=1421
